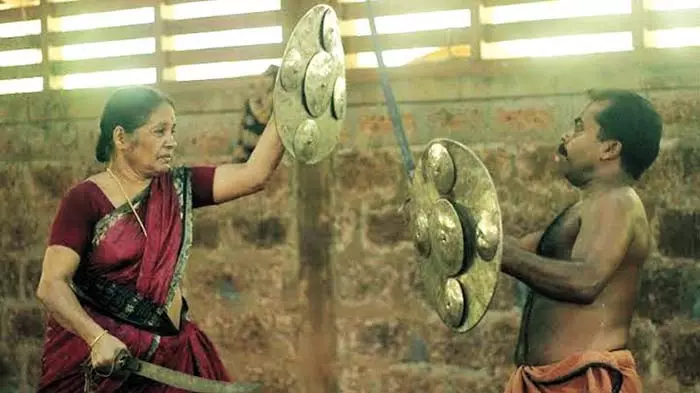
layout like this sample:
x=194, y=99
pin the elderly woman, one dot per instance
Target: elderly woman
x=120, y=242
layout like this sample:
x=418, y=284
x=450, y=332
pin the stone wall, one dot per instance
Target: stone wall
x=242, y=281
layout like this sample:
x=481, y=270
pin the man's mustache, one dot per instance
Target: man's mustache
x=562, y=150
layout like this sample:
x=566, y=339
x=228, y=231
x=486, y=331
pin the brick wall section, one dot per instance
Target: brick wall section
x=242, y=280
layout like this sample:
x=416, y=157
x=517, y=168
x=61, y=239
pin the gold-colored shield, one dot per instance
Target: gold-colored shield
x=310, y=92
x=456, y=223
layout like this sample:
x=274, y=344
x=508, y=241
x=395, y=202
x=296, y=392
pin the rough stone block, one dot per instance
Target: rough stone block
x=13, y=142
x=199, y=100
x=9, y=278
x=18, y=214
x=278, y=376
x=51, y=141
x=408, y=289
x=676, y=169
x=362, y=278
x=525, y=119
x=13, y=110
x=389, y=339
x=10, y=367
x=490, y=345
x=643, y=344
x=205, y=232
x=530, y=192
x=373, y=177
x=53, y=180
x=241, y=330
x=689, y=157
x=264, y=232
x=505, y=295
x=25, y=322
x=207, y=135
x=679, y=233
x=422, y=378
x=498, y=161
x=679, y=109
x=32, y=274
x=387, y=227
x=664, y=384
x=679, y=349
x=33, y=352
x=669, y=289
x=347, y=232
x=230, y=275
x=279, y=182
x=251, y=336
x=359, y=377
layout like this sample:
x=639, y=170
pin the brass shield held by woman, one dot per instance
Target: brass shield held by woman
x=310, y=93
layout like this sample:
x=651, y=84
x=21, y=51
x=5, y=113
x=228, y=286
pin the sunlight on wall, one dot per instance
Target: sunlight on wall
x=96, y=50
x=225, y=38
x=24, y=85
x=407, y=23
x=20, y=57
x=221, y=70
x=445, y=53
x=391, y=24
x=134, y=16
x=20, y=29
x=136, y=76
x=203, y=9
x=668, y=5
x=553, y=10
x=673, y=38
x=6, y=5
x=392, y=58
x=558, y=46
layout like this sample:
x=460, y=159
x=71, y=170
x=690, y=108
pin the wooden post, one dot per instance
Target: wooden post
x=159, y=32
x=638, y=24
x=475, y=29
x=45, y=13
x=317, y=341
x=317, y=344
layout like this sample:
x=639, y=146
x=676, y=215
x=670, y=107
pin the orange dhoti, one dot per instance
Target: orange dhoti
x=589, y=372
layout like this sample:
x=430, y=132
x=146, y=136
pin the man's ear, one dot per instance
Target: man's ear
x=610, y=150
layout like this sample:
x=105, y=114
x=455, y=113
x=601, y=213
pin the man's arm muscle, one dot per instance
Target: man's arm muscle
x=601, y=245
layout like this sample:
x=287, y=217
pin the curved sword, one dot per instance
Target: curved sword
x=127, y=364
x=406, y=156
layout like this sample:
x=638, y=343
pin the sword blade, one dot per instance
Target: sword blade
x=184, y=381
x=393, y=107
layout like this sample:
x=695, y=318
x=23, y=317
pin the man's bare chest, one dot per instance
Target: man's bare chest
x=559, y=239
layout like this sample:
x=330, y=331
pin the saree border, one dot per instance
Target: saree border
x=182, y=181
x=106, y=222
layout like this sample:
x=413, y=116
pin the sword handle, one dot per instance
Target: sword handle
x=124, y=362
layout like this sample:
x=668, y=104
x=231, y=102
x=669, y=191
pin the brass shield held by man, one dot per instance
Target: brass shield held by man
x=309, y=97
x=456, y=225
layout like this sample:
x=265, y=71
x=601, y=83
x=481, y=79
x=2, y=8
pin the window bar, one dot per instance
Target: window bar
x=158, y=33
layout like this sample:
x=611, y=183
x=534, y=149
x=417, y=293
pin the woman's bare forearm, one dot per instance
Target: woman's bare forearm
x=60, y=301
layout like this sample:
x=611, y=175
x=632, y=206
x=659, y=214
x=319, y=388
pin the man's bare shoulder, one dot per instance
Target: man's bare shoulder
x=621, y=200
x=621, y=210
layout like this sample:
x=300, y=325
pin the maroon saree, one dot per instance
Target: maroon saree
x=126, y=282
